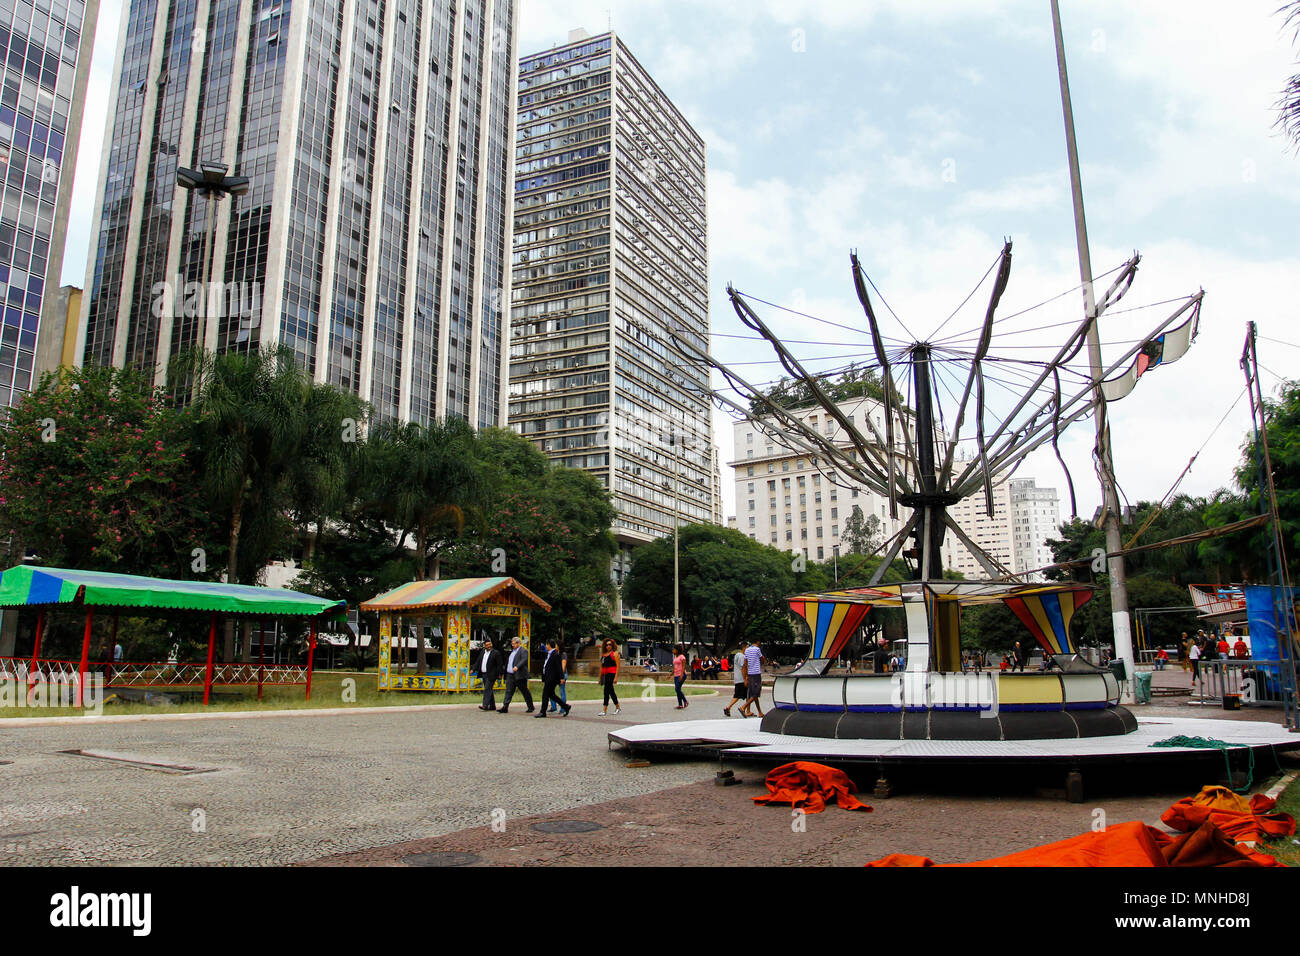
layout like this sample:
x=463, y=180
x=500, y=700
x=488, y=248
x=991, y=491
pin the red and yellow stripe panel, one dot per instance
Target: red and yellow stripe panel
x=831, y=624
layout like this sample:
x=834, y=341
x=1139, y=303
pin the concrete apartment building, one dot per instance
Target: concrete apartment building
x=45, y=50
x=789, y=500
x=374, y=237
x=1024, y=517
x=610, y=260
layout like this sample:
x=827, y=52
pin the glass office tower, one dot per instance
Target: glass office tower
x=45, y=52
x=377, y=135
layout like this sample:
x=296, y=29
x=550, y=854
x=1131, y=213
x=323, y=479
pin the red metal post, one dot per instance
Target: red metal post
x=85, y=655
x=261, y=659
x=212, y=645
x=40, y=631
x=311, y=654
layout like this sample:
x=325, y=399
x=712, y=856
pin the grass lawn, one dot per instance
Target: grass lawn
x=1283, y=848
x=327, y=690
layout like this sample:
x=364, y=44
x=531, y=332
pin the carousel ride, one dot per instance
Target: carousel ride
x=934, y=397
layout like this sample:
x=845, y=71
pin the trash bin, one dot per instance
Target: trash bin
x=1142, y=687
x=1119, y=668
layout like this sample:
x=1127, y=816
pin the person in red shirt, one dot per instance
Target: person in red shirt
x=1223, y=646
x=1240, y=649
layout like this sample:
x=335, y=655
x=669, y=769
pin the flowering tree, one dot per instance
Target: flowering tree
x=95, y=474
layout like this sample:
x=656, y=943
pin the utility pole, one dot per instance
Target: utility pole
x=1102, y=451
x=1281, y=592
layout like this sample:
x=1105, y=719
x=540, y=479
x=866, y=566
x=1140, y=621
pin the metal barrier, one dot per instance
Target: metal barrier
x=1254, y=681
x=24, y=668
x=154, y=674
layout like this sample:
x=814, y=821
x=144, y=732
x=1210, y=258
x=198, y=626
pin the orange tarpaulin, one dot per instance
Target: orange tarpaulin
x=1234, y=815
x=1128, y=844
x=809, y=786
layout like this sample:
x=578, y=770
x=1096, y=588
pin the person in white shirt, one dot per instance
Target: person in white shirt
x=737, y=670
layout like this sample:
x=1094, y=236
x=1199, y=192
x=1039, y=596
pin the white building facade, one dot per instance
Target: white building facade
x=791, y=500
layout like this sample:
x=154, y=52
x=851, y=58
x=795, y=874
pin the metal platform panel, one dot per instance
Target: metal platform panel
x=742, y=739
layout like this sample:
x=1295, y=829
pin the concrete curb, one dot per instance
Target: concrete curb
x=1275, y=791
x=19, y=722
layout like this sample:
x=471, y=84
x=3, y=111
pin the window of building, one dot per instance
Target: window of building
x=751, y=504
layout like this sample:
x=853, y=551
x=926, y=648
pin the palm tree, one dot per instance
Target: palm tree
x=424, y=479
x=1288, y=104
x=270, y=446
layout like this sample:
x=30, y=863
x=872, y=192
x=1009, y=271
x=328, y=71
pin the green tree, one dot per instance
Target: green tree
x=266, y=439
x=97, y=473
x=548, y=527
x=730, y=584
x=1248, y=552
x=426, y=478
x=1288, y=104
x=856, y=381
x=862, y=534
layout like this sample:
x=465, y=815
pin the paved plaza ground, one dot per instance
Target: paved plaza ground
x=385, y=787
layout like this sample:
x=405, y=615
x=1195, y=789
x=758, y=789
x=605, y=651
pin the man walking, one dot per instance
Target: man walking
x=490, y=665
x=517, y=676
x=753, y=679
x=740, y=692
x=552, y=674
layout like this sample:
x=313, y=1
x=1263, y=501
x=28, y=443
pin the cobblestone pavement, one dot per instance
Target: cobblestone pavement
x=284, y=789
x=707, y=825
x=375, y=787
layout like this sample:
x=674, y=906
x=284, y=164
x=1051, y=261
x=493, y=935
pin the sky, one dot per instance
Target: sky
x=924, y=134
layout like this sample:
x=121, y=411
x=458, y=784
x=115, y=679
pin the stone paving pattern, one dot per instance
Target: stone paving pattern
x=374, y=787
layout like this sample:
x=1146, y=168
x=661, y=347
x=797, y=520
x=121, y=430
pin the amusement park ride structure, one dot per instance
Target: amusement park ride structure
x=908, y=455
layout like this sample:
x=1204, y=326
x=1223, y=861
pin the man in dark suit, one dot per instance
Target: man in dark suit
x=552, y=674
x=490, y=666
x=517, y=676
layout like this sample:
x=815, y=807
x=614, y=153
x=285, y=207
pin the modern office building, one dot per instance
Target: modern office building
x=610, y=260
x=377, y=138
x=45, y=50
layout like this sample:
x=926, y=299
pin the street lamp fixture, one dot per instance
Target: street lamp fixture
x=211, y=182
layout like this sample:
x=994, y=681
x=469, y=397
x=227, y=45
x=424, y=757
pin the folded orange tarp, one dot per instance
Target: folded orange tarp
x=1234, y=815
x=810, y=786
x=1128, y=844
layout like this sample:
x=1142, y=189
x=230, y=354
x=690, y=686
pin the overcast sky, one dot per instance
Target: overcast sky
x=922, y=134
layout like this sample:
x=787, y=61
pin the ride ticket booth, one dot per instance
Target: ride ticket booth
x=454, y=616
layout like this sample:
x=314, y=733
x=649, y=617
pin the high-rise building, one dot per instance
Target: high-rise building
x=791, y=500
x=1024, y=517
x=45, y=50
x=373, y=239
x=610, y=261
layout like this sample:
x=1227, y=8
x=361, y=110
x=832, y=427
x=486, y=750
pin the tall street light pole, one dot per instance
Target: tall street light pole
x=1110, y=496
x=677, y=590
x=211, y=182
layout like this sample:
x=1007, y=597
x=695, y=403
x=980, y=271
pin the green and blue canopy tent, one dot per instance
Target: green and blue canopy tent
x=45, y=589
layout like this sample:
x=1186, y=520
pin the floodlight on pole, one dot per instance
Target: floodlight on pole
x=211, y=182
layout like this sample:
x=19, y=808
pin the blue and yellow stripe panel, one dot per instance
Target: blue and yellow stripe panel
x=831, y=623
x=1048, y=616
